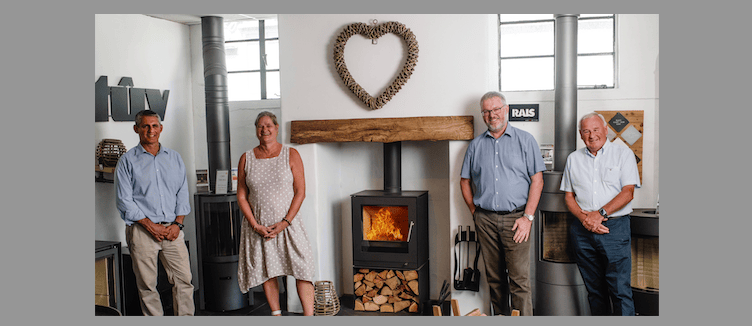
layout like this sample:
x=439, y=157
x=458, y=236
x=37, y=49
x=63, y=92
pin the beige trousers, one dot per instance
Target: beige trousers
x=145, y=250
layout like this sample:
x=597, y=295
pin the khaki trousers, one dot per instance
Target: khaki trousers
x=503, y=257
x=145, y=251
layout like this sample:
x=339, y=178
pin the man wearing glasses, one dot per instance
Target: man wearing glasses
x=501, y=182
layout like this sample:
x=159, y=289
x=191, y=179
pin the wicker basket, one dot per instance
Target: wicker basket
x=109, y=152
x=326, y=301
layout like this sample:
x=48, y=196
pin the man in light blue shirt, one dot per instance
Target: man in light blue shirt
x=599, y=182
x=152, y=197
x=501, y=183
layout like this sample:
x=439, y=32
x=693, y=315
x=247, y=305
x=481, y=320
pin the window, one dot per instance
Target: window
x=252, y=58
x=526, y=52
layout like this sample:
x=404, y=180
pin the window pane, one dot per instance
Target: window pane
x=515, y=17
x=272, y=54
x=595, y=36
x=527, y=74
x=272, y=85
x=527, y=39
x=595, y=71
x=242, y=56
x=270, y=28
x=244, y=86
x=241, y=30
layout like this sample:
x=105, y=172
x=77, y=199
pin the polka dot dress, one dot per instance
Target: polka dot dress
x=270, y=194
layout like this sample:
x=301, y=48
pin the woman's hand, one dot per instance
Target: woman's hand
x=262, y=230
x=276, y=229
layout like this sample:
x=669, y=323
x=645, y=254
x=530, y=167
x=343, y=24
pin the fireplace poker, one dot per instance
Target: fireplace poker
x=444, y=292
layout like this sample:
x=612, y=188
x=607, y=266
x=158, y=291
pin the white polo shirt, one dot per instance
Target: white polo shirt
x=596, y=180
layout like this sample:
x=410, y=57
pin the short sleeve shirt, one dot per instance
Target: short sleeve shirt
x=501, y=169
x=596, y=180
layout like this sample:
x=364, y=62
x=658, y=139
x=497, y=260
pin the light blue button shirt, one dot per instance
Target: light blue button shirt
x=501, y=169
x=155, y=187
x=596, y=180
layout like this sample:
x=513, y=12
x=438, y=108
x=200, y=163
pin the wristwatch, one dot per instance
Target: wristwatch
x=178, y=224
x=529, y=217
x=603, y=212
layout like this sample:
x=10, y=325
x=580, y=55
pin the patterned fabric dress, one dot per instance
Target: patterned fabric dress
x=270, y=193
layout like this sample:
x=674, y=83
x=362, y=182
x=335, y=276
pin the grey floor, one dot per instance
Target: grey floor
x=261, y=308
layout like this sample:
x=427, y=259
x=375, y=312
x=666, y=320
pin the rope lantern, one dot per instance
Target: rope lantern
x=326, y=301
x=373, y=33
x=109, y=152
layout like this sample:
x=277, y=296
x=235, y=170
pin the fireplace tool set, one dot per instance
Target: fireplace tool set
x=470, y=279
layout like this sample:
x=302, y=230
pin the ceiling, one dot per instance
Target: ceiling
x=195, y=19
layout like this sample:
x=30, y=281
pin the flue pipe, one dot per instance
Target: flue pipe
x=565, y=105
x=217, y=107
x=393, y=167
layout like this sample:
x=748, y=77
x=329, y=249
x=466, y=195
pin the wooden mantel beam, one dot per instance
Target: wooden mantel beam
x=385, y=130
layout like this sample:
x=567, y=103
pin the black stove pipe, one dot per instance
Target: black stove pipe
x=218, y=218
x=217, y=104
x=393, y=167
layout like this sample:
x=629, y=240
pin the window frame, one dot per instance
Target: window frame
x=263, y=70
x=614, y=54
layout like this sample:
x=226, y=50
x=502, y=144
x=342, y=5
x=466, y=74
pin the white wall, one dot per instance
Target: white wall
x=156, y=54
x=454, y=69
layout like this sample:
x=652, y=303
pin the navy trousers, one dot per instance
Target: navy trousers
x=605, y=263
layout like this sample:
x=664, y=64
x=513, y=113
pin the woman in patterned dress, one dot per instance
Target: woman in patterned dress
x=271, y=189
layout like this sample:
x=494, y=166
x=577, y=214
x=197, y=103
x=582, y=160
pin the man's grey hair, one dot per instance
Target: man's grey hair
x=491, y=95
x=266, y=114
x=588, y=116
x=147, y=113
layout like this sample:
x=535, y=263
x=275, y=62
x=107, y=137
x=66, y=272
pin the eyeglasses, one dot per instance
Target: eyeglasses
x=487, y=112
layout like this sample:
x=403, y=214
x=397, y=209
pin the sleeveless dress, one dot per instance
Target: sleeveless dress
x=270, y=194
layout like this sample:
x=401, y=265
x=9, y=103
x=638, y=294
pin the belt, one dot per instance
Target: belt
x=516, y=210
x=165, y=223
x=615, y=217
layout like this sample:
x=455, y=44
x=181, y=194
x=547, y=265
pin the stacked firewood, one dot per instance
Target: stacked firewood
x=386, y=291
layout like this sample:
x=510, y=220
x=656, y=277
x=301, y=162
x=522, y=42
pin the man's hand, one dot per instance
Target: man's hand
x=592, y=222
x=158, y=231
x=523, y=226
x=173, y=232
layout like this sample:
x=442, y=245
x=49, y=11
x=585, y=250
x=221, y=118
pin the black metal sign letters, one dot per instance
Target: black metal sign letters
x=119, y=98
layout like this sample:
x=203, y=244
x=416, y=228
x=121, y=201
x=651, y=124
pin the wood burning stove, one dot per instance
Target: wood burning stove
x=390, y=230
x=218, y=217
x=390, y=238
x=559, y=288
x=645, y=262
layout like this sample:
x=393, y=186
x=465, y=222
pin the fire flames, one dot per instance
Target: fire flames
x=384, y=225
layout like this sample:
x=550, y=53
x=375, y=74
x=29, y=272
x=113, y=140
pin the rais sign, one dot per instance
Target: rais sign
x=523, y=112
x=125, y=101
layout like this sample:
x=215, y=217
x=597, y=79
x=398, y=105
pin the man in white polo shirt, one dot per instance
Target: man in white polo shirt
x=599, y=182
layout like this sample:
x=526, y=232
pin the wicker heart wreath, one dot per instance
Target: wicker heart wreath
x=374, y=32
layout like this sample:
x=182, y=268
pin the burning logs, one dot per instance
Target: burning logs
x=386, y=291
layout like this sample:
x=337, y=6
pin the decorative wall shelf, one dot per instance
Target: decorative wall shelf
x=385, y=130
